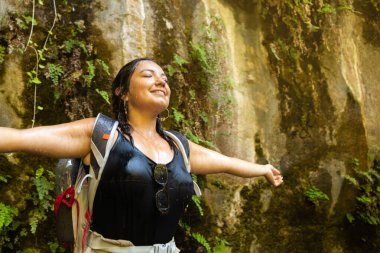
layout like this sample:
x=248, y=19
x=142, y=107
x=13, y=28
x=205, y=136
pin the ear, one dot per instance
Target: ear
x=117, y=91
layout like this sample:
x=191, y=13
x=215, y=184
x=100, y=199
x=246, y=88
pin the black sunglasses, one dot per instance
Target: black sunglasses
x=160, y=173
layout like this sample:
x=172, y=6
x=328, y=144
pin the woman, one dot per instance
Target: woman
x=127, y=205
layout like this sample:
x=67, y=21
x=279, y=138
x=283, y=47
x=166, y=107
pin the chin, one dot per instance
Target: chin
x=158, y=107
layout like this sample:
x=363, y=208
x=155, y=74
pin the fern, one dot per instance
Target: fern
x=197, y=202
x=185, y=227
x=202, y=241
x=69, y=45
x=368, y=184
x=221, y=246
x=203, y=116
x=7, y=213
x=36, y=217
x=104, y=66
x=42, y=184
x=91, y=73
x=170, y=70
x=179, y=60
x=315, y=195
x=199, y=52
x=42, y=198
x=55, y=71
x=104, y=95
x=178, y=116
x=55, y=247
x=352, y=180
x=192, y=137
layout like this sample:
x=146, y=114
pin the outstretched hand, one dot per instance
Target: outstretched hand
x=273, y=175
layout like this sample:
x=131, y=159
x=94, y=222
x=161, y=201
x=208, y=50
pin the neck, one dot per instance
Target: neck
x=144, y=124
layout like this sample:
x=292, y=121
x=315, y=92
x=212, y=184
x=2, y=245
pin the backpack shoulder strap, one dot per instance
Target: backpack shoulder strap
x=185, y=155
x=101, y=143
x=184, y=151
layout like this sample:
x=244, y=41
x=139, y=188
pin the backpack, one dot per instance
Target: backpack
x=77, y=185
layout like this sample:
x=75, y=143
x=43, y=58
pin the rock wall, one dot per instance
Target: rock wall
x=293, y=83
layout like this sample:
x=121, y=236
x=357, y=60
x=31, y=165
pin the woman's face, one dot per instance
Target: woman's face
x=148, y=89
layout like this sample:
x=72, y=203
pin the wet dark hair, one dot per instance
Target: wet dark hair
x=120, y=87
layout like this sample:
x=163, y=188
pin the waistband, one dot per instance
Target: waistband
x=96, y=241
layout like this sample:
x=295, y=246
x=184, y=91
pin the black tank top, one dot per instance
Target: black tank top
x=125, y=207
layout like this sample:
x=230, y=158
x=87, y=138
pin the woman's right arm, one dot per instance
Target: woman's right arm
x=68, y=140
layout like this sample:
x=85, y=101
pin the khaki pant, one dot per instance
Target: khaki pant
x=96, y=243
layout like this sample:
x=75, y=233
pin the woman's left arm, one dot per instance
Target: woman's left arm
x=206, y=161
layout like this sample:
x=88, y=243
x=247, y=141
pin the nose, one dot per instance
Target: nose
x=161, y=81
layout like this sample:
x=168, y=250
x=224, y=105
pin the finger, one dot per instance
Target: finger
x=276, y=171
x=277, y=183
x=278, y=180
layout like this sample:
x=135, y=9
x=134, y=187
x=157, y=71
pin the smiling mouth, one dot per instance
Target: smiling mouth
x=159, y=92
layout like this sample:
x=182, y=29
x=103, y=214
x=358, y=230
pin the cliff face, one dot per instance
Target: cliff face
x=293, y=83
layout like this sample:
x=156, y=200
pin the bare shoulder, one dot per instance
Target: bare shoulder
x=80, y=127
x=87, y=123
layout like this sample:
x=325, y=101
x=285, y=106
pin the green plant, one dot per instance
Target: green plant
x=199, y=53
x=191, y=136
x=42, y=199
x=220, y=245
x=202, y=241
x=55, y=247
x=4, y=178
x=345, y=7
x=104, y=95
x=91, y=73
x=170, y=70
x=7, y=213
x=203, y=116
x=104, y=66
x=197, y=202
x=33, y=77
x=70, y=44
x=2, y=54
x=315, y=195
x=367, y=182
x=180, y=61
x=327, y=8
x=177, y=116
x=177, y=65
x=55, y=71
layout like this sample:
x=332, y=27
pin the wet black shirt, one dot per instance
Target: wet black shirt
x=125, y=207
